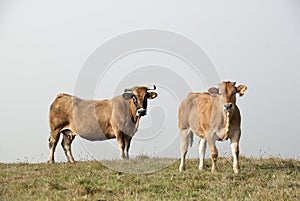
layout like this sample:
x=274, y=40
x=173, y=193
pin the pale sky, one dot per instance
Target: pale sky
x=44, y=46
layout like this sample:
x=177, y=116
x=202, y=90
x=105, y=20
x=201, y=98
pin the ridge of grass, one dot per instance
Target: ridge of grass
x=260, y=179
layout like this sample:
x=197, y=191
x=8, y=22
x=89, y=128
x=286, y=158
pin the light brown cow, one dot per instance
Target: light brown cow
x=97, y=120
x=211, y=116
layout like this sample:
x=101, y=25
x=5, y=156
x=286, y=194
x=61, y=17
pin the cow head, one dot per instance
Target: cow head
x=139, y=97
x=227, y=92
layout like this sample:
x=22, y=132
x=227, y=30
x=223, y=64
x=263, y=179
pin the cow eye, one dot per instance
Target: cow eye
x=134, y=98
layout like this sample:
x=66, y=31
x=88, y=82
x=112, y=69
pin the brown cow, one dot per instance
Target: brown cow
x=211, y=116
x=97, y=120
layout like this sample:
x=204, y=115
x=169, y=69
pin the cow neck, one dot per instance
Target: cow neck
x=226, y=125
x=133, y=116
x=227, y=121
x=226, y=118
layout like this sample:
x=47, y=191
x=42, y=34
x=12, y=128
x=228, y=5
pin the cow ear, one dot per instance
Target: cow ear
x=152, y=95
x=241, y=89
x=127, y=96
x=213, y=91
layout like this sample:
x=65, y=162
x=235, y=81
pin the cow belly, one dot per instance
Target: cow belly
x=221, y=135
x=94, y=136
x=199, y=133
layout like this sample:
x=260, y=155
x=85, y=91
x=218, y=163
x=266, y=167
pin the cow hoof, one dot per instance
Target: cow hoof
x=214, y=170
x=236, y=171
x=50, y=161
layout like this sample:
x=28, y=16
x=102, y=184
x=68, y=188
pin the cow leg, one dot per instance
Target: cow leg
x=213, y=153
x=185, y=136
x=121, y=142
x=53, y=140
x=202, y=148
x=68, y=138
x=234, y=143
x=127, y=146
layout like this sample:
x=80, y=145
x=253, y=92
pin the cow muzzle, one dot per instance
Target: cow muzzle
x=141, y=112
x=228, y=107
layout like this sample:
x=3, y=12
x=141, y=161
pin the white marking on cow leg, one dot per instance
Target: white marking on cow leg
x=126, y=155
x=202, y=148
x=127, y=146
x=122, y=155
x=235, y=153
x=185, y=135
x=121, y=142
x=66, y=144
x=53, y=140
x=51, y=155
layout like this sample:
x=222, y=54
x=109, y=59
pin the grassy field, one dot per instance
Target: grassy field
x=260, y=179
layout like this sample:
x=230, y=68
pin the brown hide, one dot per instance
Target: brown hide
x=203, y=112
x=97, y=120
x=211, y=116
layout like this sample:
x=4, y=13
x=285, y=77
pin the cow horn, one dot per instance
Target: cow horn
x=152, y=87
x=128, y=90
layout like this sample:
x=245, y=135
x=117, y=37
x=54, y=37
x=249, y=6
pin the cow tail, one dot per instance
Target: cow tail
x=191, y=138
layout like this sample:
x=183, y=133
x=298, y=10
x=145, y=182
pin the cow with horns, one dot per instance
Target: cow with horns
x=98, y=120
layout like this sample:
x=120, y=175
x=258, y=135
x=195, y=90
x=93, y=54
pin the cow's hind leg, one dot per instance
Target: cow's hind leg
x=53, y=140
x=68, y=138
x=202, y=148
x=185, y=136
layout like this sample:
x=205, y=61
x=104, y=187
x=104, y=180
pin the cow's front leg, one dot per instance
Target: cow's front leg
x=202, y=148
x=234, y=143
x=121, y=143
x=213, y=153
x=127, y=145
